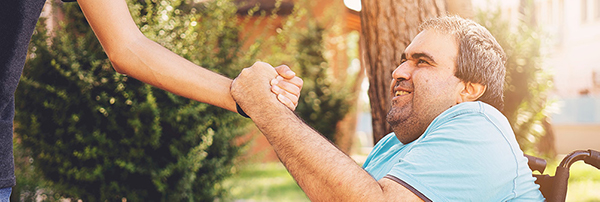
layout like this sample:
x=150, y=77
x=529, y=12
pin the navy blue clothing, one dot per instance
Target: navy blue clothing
x=18, y=19
x=17, y=22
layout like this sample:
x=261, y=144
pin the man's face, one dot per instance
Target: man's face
x=423, y=85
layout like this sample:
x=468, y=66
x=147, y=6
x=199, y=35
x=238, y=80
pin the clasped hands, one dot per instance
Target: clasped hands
x=261, y=87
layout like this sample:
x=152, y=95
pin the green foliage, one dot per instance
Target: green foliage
x=99, y=135
x=527, y=84
x=299, y=44
x=322, y=103
x=30, y=184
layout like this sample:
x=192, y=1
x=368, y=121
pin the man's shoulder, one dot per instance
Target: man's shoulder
x=469, y=113
x=476, y=107
x=470, y=123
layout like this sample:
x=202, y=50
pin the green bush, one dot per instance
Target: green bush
x=98, y=135
x=324, y=101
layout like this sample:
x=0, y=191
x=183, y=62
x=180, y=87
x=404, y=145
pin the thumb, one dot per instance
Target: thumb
x=285, y=71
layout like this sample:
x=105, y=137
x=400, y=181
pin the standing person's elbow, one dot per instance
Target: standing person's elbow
x=120, y=55
x=115, y=63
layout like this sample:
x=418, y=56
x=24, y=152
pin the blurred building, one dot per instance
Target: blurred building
x=574, y=29
x=572, y=56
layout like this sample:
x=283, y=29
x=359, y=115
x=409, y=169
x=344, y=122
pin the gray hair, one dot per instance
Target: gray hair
x=480, y=57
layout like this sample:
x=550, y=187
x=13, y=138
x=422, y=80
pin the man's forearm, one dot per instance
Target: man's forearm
x=323, y=171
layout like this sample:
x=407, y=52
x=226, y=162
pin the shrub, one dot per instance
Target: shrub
x=99, y=135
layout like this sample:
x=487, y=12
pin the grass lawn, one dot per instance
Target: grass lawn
x=271, y=182
x=264, y=182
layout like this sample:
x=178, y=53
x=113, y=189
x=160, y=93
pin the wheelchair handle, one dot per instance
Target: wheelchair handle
x=590, y=157
x=593, y=159
x=562, y=171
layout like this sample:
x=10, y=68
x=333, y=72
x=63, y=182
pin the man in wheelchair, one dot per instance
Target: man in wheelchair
x=450, y=141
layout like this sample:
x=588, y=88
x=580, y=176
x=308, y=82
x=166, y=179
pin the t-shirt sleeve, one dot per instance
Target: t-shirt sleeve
x=466, y=158
x=381, y=145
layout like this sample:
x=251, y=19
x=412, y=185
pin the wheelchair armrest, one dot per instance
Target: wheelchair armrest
x=536, y=163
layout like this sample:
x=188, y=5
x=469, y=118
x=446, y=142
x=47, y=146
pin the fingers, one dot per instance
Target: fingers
x=287, y=101
x=287, y=85
x=297, y=81
x=291, y=100
x=287, y=93
x=290, y=76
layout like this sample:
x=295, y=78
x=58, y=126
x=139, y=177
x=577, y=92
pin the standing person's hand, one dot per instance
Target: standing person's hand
x=287, y=86
x=253, y=91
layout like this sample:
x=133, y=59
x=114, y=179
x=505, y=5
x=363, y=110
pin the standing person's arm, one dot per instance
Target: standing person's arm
x=134, y=54
x=323, y=172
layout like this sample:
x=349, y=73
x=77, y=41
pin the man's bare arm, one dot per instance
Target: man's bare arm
x=135, y=55
x=323, y=172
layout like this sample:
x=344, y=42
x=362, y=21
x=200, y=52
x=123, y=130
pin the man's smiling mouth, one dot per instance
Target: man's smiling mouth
x=401, y=92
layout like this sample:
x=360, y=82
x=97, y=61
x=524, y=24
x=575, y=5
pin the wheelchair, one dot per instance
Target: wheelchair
x=554, y=188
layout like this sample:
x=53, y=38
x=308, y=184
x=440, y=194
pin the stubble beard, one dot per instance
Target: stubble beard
x=405, y=122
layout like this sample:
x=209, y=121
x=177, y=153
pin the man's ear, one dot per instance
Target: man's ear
x=471, y=92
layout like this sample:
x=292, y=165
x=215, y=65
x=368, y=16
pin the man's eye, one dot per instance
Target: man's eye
x=422, y=62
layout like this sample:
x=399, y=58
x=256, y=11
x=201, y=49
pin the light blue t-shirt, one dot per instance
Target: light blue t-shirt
x=468, y=153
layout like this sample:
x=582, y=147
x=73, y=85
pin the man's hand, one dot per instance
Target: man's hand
x=252, y=89
x=287, y=86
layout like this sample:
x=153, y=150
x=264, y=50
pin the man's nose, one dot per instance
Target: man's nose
x=403, y=71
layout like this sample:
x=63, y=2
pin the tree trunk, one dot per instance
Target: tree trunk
x=462, y=8
x=546, y=144
x=387, y=28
